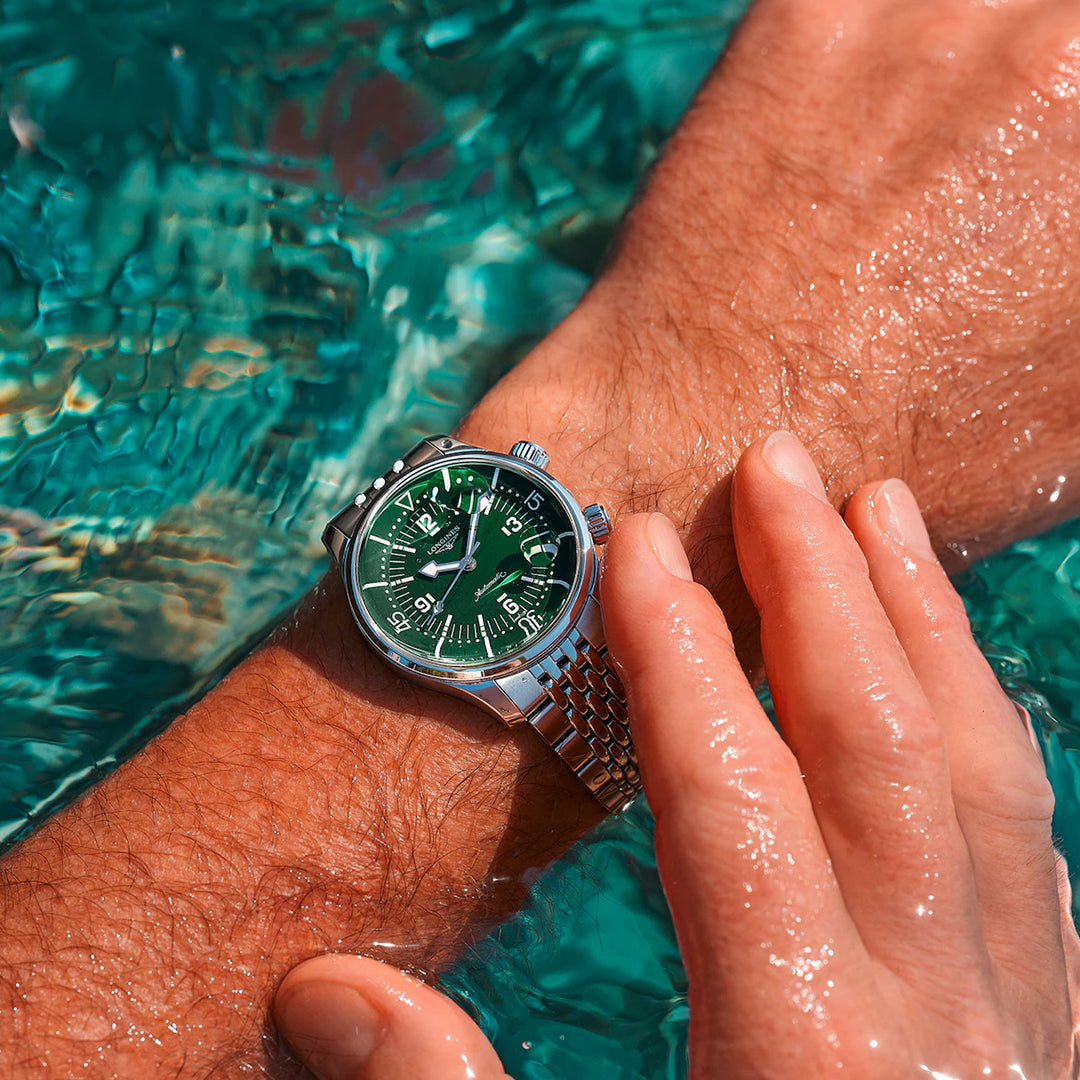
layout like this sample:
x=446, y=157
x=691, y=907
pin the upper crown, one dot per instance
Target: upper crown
x=530, y=452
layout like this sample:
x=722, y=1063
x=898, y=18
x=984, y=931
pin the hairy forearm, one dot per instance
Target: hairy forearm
x=989, y=443
x=868, y=238
x=311, y=802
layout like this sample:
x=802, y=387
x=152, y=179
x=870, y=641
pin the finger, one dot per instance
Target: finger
x=872, y=751
x=757, y=912
x=352, y=1018
x=1070, y=938
x=1003, y=799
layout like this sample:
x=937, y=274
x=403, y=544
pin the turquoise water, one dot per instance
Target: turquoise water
x=248, y=251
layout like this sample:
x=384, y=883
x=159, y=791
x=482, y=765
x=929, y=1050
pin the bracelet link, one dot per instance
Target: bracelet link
x=584, y=719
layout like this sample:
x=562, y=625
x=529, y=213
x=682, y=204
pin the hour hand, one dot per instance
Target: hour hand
x=434, y=569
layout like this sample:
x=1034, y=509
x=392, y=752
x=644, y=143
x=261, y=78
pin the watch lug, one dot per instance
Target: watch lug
x=498, y=698
x=433, y=446
x=522, y=688
x=342, y=528
x=591, y=622
x=529, y=451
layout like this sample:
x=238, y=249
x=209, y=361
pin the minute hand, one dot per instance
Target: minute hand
x=470, y=540
x=470, y=548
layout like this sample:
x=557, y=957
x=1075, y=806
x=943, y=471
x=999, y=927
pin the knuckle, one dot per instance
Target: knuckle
x=902, y=740
x=881, y=731
x=1010, y=789
x=820, y=566
x=935, y=611
x=685, y=638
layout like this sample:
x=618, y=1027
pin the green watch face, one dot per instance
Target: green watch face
x=467, y=563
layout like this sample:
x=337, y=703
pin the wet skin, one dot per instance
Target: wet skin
x=864, y=231
x=876, y=892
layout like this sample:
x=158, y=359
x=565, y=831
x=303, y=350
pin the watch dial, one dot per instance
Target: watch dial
x=466, y=563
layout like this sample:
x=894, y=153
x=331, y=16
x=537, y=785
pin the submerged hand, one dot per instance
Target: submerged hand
x=876, y=891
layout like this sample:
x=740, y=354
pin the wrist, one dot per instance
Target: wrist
x=453, y=786
x=620, y=413
x=312, y=801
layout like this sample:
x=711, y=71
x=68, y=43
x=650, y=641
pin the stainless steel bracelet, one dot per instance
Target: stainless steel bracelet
x=584, y=720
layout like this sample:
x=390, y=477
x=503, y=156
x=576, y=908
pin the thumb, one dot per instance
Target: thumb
x=352, y=1018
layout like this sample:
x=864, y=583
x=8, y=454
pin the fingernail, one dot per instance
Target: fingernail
x=898, y=514
x=331, y=1028
x=667, y=547
x=785, y=455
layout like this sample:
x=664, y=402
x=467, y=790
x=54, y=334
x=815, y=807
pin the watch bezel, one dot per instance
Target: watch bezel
x=583, y=585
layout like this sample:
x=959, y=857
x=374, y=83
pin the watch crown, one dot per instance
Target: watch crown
x=599, y=522
x=529, y=451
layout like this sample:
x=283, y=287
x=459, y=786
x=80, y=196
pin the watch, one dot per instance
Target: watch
x=475, y=573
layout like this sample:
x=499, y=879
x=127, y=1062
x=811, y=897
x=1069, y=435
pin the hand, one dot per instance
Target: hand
x=877, y=891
